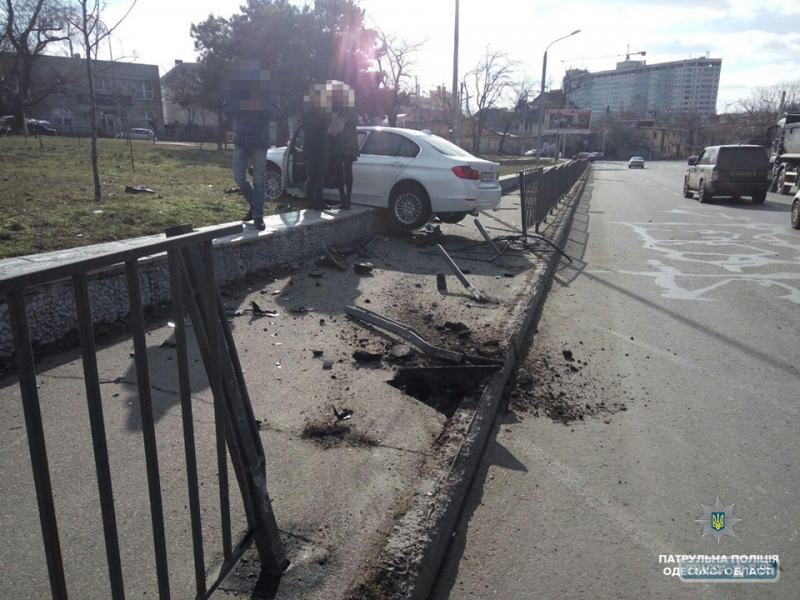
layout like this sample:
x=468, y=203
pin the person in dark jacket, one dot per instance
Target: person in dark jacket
x=345, y=141
x=317, y=118
x=251, y=98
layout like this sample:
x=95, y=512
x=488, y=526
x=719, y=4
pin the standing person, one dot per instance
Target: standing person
x=345, y=142
x=251, y=98
x=317, y=117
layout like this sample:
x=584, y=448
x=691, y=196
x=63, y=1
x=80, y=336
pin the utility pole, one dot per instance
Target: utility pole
x=456, y=105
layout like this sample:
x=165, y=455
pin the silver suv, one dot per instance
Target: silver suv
x=733, y=171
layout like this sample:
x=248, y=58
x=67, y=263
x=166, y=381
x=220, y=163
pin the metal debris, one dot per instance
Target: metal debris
x=464, y=281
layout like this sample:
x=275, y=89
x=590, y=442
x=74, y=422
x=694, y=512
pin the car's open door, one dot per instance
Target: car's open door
x=294, y=165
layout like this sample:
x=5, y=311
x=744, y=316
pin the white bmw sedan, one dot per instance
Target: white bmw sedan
x=413, y=174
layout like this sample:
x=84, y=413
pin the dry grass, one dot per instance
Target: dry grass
x=47, y=195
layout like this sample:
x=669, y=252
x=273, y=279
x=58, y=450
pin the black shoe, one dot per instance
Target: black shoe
x=248, y=216
x=259, y=223
x=345, y=206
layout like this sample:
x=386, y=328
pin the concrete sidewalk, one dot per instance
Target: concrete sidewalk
x=364, y=512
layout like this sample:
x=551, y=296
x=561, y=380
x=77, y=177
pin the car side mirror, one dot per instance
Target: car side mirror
x=692, y=161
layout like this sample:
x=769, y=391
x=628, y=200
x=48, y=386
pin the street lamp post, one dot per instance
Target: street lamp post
x=455, y=100
x=541, y=95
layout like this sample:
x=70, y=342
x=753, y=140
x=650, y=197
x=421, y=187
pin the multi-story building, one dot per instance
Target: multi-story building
x=127, y=95
x=645, y=91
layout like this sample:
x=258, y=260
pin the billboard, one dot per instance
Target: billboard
x=567, y=120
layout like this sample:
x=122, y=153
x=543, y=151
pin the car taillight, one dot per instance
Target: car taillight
x=466, y=172
x=714, y=174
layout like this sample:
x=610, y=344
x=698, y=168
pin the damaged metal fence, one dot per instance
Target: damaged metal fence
x=193, y=285
x=541, y=189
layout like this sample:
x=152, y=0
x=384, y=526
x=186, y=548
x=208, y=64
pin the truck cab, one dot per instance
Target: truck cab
x=783, y=140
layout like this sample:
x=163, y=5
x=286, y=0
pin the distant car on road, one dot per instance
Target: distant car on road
x=597, y=156
x=584, y=156
x=636, y=162
x=731, y=170
x=796, y=211
x=138, y=134
x=38, y=127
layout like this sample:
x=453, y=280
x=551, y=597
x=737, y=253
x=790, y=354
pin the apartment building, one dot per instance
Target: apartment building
x=643, y=91
x=127, y=95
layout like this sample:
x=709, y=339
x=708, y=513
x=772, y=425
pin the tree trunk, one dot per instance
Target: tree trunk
x=92, y=110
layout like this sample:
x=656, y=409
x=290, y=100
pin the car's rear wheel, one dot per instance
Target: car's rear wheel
x=796, y=214
x=409, y=207
x=687, y=192
x=452, y=217
x=759, y=197
x=704, y=195
x=273, y=181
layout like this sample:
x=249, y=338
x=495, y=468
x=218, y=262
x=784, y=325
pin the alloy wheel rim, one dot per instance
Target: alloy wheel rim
x=796, y=213
x=272, y=181
x=408, y=208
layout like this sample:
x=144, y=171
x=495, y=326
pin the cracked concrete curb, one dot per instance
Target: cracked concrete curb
x=419, y=541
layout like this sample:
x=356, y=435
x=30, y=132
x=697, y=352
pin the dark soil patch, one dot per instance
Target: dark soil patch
x=555, y=388
x=442, y=388
x=329, y=434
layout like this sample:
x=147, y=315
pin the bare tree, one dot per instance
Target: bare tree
x=484, y=87
x=518, y=94
x=395, y=58
x=29, y=28
x=87, y=21
x=765, y=105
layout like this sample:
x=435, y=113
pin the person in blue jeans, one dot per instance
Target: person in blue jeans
x=251, y=98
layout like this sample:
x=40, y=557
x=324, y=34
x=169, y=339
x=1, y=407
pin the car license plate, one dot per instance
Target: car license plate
x=487, y=176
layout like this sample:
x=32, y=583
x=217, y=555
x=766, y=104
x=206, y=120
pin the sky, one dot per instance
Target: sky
x=758, y=41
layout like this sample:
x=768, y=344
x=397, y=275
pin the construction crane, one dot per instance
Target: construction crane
x=627, y=56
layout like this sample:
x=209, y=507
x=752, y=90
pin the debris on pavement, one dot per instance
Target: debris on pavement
x=330, y=434
x=364, y=268
x=405, y=332
x=366, y=356
x=441, y=282
x=401, y=351
x=231, y=190
x=344, y=414
x=567, y=355
x=465, y=282
x=327, y=365
x=332, y=260
x=317, y=353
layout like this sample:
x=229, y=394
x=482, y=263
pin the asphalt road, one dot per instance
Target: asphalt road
x=688, y=316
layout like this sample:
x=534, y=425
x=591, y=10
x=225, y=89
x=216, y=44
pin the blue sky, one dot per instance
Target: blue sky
x=758, y=42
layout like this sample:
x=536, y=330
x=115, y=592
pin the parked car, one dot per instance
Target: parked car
x=412, y=174
x=733, y=170
x=533, y=152
x=138, y=133
x=596, y=156
x=5, y=124
x=37, y=127
x=796, y=211
x=636, y=162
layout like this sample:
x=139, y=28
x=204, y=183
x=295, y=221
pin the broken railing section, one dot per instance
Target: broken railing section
x=541, y=189
x=236, y=424
x=193, y=283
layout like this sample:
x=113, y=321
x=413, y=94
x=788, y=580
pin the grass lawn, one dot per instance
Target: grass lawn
x=47, y=196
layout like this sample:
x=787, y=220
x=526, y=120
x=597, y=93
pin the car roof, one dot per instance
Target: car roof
x=409, y=132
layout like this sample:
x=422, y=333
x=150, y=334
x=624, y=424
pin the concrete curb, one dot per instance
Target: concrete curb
x=432, y=523
x=289, y=237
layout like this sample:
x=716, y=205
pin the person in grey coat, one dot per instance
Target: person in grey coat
x=251, y=98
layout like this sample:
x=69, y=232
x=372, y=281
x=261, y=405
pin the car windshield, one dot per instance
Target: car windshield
x=637, y=158
x=741, y=157
x=445, y=147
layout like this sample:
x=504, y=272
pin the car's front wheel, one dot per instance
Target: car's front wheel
x=759, y=198
x=687, y=193
x=409, y=207
x=796, y=213
x=452, y=217
x=273, y=182
x=781, y=187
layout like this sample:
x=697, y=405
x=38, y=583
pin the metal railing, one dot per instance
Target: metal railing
x=541, y=189
x=193, y=287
